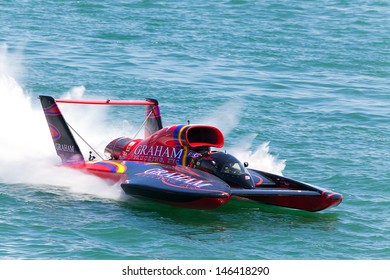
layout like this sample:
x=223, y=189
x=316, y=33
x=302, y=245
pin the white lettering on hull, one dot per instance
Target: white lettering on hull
x=158, y=151
x=177, y=177
x=160, y=154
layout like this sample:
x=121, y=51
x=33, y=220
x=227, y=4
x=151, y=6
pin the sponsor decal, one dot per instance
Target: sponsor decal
x=175, y=178
x=160, y=151
x=162, y=154
x=55, y=133
x=64, y=148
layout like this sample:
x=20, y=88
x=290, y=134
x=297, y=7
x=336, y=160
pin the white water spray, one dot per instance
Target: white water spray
x=260, y=158
x=27, y=154
x=226, y=118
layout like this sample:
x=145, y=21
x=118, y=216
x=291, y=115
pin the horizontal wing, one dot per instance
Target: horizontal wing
x=106, y=102
x=152, y=110
x=176, y=185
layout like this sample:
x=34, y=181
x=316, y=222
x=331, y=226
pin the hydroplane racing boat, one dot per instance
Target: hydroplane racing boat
x=179, y=165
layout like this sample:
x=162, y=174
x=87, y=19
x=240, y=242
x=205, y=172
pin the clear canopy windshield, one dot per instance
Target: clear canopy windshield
x=227, y=164
x=226, y=167
x=234, y=168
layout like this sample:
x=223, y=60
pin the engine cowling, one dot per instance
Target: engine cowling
x=202, y=136
x=171, y=145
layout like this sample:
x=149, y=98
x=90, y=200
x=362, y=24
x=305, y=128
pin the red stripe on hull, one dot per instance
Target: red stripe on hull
x=308, y=203
x=101, y=173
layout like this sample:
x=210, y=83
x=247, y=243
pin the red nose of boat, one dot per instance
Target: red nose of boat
x=334, y=199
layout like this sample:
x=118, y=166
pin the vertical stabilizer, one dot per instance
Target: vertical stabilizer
x=64, y=142
x=153, y=118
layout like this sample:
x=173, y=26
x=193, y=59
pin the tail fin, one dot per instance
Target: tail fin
x=64, y=142
x=153, y=118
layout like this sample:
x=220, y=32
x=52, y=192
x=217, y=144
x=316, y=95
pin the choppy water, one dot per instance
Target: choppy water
x=312, y=78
